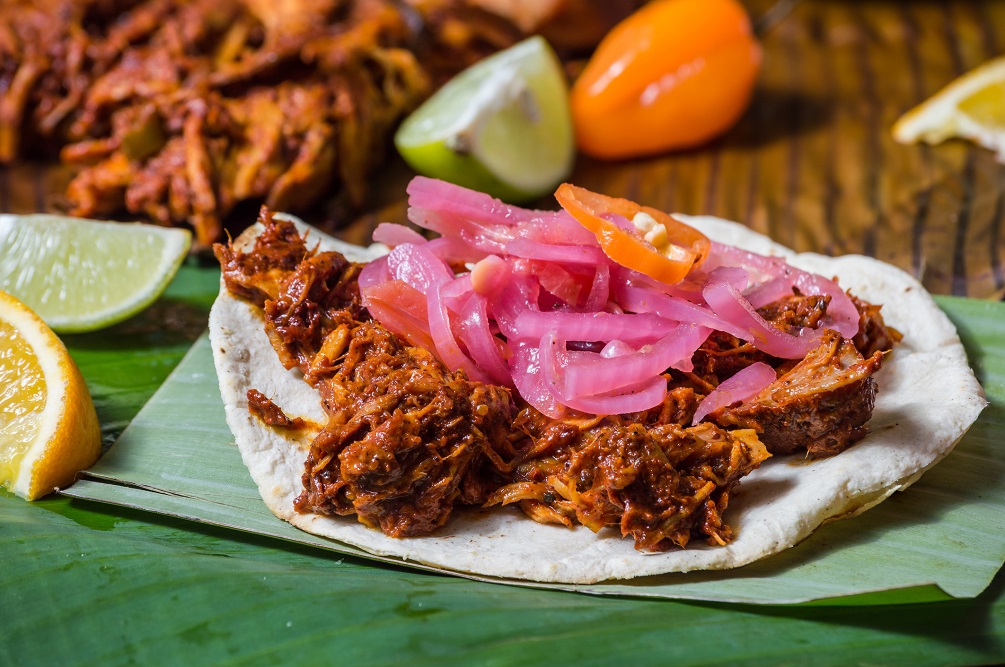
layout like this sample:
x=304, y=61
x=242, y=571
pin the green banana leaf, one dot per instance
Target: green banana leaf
x=94, y=583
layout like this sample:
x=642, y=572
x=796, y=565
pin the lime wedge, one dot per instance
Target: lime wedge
x=81, y=275
x=501, y=126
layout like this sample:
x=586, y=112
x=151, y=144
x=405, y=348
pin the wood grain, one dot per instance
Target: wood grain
x=812, y=163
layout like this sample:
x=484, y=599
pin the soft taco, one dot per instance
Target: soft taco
x=370, y=405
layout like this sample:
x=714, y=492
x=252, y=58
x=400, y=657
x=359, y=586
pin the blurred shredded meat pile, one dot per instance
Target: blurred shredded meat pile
x=179, y=110
x=407, y=440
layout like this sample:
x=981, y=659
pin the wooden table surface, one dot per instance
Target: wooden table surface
x=812, y=163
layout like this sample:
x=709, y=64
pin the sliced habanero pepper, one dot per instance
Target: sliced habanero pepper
x=684, y=248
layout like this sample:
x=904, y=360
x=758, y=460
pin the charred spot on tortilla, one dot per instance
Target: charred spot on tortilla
x=407, y=439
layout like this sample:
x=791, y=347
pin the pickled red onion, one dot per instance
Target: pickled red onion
x=768, y=291
x=538, y=281
x=643, y=396
x=842, y=315
x=590, y=373
x=418, y=267
x=402, y=309
x=642, y=327
x=525, y=365
x=556, y=368
x=442, y=330
x=745, y=384
x=485, y=349
x=393, y=235
x=600, y=289
x=428, y=193
x=727, y=302
x=374, y=273
x=573, y=254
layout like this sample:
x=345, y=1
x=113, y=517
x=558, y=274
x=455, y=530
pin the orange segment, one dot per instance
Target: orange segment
x=49, y=430
x=971, y=107
x=22, y=400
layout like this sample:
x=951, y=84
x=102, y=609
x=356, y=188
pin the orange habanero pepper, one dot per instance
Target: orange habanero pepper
x=673, y=75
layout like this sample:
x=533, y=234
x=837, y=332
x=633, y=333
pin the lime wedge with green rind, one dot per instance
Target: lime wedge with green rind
x=81, y=275
x=502, y=126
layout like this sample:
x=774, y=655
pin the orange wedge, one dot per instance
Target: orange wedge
x=48, y=427
x=970, y=107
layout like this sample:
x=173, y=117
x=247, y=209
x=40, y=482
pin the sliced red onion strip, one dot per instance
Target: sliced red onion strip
x=593, y=326
x=441, y=329
x=485, y=349
x=459, y=289
x=642, y=300
x=727, y=303
x=525, y=366
x=402, y=309
x=438, y=195
x=743, y=386
x=736, y=276
x=558, y=282
x=557, y=228
x=405, y=297
x=727, y=255
x=519, y=293
x=571, y=254
x=482, y=237
x=392, y=234
x=400, y=322
x=842, y=316
x=768, y=292
x=600, y=289
x=374, y=273
x=455, y=251
x=554, y=359
x=555, y=362
x=418, y=267
x=688, y=289
x=636, y=398
x=594, y=374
